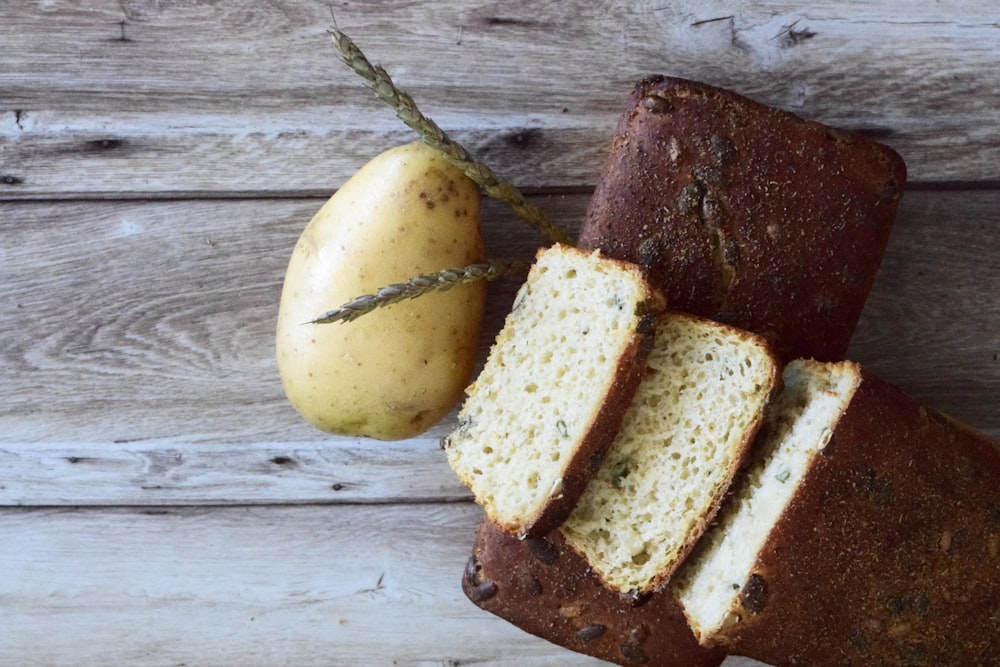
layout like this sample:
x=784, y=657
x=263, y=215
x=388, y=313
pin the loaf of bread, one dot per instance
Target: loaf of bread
x=750, y=216
x=544, y=588
x=686, y=432
x=562, y=371
x=866, y=532
x=747, y=214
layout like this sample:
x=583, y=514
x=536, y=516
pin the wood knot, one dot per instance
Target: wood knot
x=100, y=145
x=524, y=138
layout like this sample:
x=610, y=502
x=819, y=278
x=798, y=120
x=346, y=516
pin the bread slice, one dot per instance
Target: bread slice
x=866, y=532
x=546, y=589
x=747, y=214
x=550, y=398
x=798, y=426
x=683, y=438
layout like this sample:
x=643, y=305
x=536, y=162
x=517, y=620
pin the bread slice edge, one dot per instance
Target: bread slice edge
x=533, y=402
x=716, y=585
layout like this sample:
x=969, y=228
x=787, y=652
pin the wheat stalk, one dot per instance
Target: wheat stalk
x=419, y=285
x=379, y=81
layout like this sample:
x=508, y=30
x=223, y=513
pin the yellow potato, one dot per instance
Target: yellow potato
x=394, y=372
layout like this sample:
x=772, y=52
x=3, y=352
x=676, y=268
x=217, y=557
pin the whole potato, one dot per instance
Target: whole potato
x=394, y=372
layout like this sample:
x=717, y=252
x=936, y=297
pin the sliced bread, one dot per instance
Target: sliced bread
x=798, y=426
x=539, y=417
x=684, y=436
x=866, y=532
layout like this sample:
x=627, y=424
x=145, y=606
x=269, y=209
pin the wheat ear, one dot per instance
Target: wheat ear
x=379, y=81
x=419, y=285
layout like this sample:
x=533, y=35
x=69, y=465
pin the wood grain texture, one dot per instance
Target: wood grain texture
x=160, y=502
x=137, y=349
x=932, y=322
x=201, y=587
x=175, y=472
x=131, y=321
x=168, y=99
x=197, y=586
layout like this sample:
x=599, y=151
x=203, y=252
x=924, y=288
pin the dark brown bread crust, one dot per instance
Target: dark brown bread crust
x=543, y=587
x=747, y=214
x=890, y=551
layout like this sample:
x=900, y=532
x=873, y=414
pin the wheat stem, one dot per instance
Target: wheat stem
x=379, y=81
x=419, y=285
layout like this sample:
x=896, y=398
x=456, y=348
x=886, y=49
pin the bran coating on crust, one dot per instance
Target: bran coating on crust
x=889, y=552
x=544, y=588
x=747, y=214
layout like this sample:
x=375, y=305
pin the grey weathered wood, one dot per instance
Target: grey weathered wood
x=243, y=586
x=932, y=322
x=160, y=502
x=302, y=586
x=169, y=99
x=131, y=321
x=138, y=365
x=175, y=471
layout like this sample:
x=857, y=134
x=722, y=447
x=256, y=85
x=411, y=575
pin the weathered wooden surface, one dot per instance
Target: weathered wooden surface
x=141, y=97
x=138, y=363
x=160, y=502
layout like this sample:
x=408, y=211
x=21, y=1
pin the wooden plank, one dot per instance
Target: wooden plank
x=137, y=363
x=174, y=472
x=242, y=97
x=303, y=586
x=307, y=152
x=207, y=52
x=932, y=322
x=131, y=321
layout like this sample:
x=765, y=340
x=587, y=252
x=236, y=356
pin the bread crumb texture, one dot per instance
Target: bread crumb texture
x=545, y=380
x=688, y=426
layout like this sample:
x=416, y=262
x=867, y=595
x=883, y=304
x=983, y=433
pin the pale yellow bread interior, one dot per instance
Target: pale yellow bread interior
x=535, y=408
x=681, y=441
